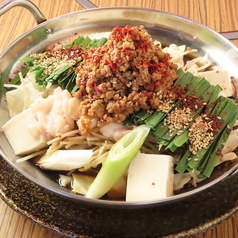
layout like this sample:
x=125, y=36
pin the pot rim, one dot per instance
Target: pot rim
x=119, y=204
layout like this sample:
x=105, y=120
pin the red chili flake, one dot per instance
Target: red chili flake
x=112, y=64
x=147, y=94
x=166, y=59
x=127, y=52
x=152, y=85
x=119, y=59
x=145, y=63
x=180, y=92
x=84, y=102
x=95, y=86
x=136, y=65
x=103, y=50
x=71, y=52
x=192, y=102
x=89, y=83
x=119, y=34
x=96, y=58
x=83, y=83
x=142, y=45
x=216, y=123
x=153, y=183
x=159, y=68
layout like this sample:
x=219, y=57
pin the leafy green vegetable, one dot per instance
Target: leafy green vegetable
x=87, y=43
x=64, y=75
x=17, y=80
x=28, y=60
x=27, y=92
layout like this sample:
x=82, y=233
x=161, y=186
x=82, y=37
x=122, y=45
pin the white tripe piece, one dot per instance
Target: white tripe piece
x=114, y=130
x=56, y=113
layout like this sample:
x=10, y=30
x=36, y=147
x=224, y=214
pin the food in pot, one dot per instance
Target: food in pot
x=123, y=117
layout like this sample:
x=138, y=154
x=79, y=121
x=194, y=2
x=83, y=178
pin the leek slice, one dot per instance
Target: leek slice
x=118, y=161
x=81, y=183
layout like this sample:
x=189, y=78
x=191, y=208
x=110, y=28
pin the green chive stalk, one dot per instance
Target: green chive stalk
x=209, y=97
x=165, y=136
x=204, y=160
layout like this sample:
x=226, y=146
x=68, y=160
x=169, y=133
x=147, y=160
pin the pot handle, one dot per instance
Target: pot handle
x=86, y=4
x=8, y=4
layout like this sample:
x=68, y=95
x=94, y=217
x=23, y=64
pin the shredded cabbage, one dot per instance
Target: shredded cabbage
x=24, y=95
x=177, y=53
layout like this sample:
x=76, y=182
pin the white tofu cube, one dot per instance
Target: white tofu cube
x=150, y=177
x=221, y=78
x=22, y=132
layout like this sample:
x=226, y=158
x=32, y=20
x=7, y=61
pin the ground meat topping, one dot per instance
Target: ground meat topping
x=125, y=75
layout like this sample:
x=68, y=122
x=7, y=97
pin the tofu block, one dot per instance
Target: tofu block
x=221, y=78
x=150, y=177
x=22, y=132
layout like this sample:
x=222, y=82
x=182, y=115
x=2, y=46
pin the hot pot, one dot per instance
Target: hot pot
x=187, y=213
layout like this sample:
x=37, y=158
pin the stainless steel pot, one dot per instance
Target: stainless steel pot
x=174, y=215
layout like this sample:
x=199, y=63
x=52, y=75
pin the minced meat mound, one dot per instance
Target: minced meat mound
x=125, y=75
